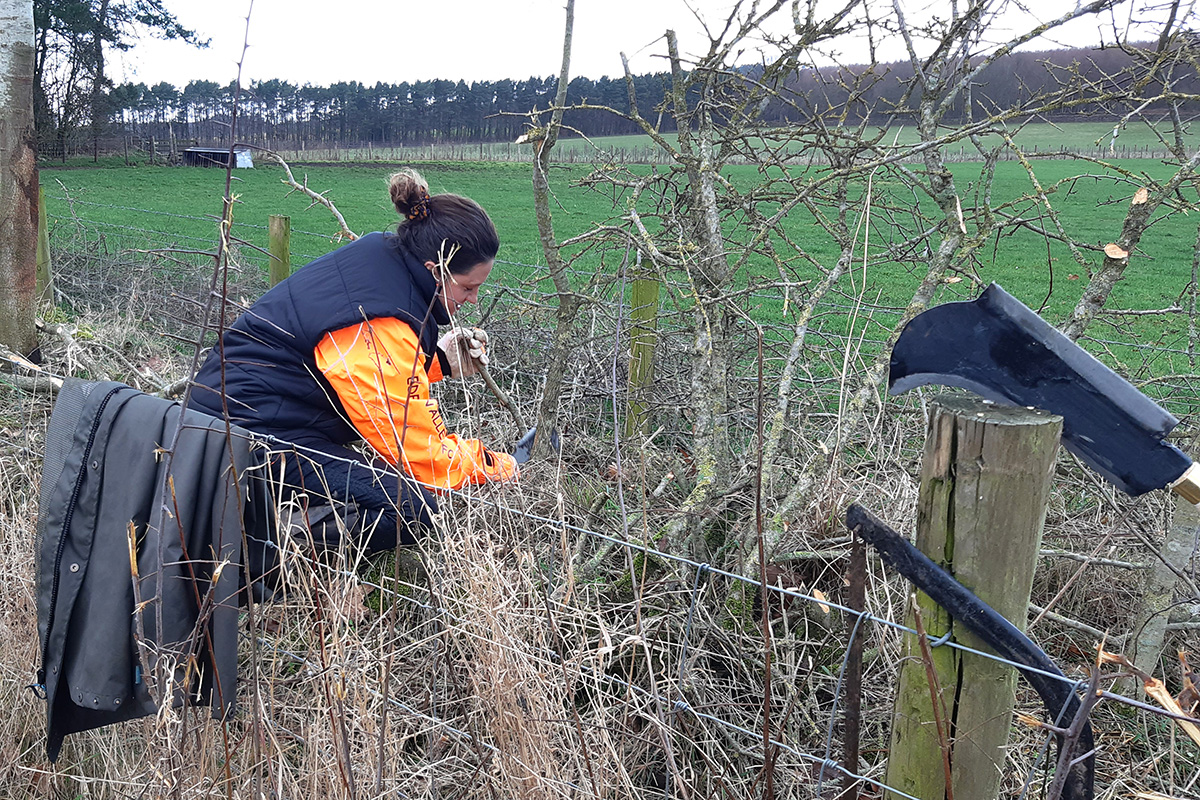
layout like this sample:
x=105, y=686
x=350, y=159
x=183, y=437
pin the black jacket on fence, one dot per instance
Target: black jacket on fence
x=106, y=476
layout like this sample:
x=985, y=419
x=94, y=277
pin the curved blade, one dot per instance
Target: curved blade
x=999, y=348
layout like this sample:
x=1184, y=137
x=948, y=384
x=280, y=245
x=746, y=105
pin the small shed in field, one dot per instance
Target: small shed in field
x=217, y=157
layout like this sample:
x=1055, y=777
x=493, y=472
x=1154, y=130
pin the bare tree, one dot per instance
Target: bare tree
x=543, y=141
x=18, y=178
x=826, y=139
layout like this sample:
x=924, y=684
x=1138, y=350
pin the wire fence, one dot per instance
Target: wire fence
x=682, y=666
x=569, y=151
x=674, y=675
x=542, y=643
x=1164, y=367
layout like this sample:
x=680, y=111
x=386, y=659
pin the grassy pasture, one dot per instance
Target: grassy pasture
x=1040, y=136
x=152, y=207
x=162, y=204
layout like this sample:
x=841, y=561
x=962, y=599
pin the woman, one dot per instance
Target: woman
x=346, y=348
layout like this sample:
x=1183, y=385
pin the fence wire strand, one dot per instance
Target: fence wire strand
x=591, y=385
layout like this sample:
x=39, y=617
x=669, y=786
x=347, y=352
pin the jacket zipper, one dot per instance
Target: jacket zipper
x=66, y=527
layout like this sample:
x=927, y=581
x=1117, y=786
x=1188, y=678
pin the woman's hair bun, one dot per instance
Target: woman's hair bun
x=433, y=227
x=407, y=189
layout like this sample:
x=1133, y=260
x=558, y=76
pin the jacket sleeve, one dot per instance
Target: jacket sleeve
x=376, y=369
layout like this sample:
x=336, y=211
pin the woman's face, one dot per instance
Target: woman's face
x=462, y=288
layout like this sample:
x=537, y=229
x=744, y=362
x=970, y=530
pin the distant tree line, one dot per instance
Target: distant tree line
x=277, y=113
x=1015, y=80
x=77, y=106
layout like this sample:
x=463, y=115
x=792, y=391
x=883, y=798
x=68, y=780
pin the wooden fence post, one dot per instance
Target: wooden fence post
x=982, y=503
x=643, y=337
x=279, y=238
x=44, y=271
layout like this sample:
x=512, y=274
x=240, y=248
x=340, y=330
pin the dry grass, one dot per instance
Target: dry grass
x=489, y=664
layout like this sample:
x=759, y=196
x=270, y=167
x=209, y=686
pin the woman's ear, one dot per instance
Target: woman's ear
x=432, y=267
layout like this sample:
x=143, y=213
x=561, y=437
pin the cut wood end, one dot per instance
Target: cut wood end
x=1155, y=688
x=1114, y=250
x=1029, y=720
x=817, y=593
x=1140, y=196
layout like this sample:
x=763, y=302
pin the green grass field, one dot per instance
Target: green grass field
x=154, y=207
x=166, y=204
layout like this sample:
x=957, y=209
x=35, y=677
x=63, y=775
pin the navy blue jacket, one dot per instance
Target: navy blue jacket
x=272, y=381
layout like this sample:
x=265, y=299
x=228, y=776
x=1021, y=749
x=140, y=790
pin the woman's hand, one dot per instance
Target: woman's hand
x=465, y=349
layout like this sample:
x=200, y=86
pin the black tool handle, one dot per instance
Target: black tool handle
x=1000, y=634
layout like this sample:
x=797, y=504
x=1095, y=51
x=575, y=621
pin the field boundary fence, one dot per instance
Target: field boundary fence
x=654, y=155
x=670, y=686
x=548, y=615
x=135, y=150
x=1163, y=369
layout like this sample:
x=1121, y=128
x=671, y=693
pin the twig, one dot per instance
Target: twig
x=935, y=696
x=344, y=231
x=1154, y=688
x=1069, y=742
x=1099, y=562
x=1149, y=312
x=172, y=390
x=29, y=383
x=503, y=398
x=1073, y=623
x=40, y=380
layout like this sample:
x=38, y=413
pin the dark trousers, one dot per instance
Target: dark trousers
x=333, y=498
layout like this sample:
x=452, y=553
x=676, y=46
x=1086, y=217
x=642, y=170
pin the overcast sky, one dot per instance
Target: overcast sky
x=306, y=41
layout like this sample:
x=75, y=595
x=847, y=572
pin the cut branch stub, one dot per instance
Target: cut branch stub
x=1114, y=250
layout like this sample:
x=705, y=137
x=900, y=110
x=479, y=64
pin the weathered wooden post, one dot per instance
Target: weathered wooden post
x=643, y=337
x=984, y=484
x=279, y=238
x=45, y=272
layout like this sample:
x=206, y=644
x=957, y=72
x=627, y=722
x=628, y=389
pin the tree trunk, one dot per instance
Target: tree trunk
x=568, y=304
x=710, y=274
x=1157, y=593
x=96, y=102
x=1116, y=254
x=18, y=178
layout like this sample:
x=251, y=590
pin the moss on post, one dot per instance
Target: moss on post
x=643, y=338
x=279, y=245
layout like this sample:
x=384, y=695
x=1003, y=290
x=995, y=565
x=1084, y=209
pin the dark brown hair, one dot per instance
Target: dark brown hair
x=441, y=221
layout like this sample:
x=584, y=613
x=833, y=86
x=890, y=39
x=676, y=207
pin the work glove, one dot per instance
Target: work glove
x=525, y=445
x=465, y=350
